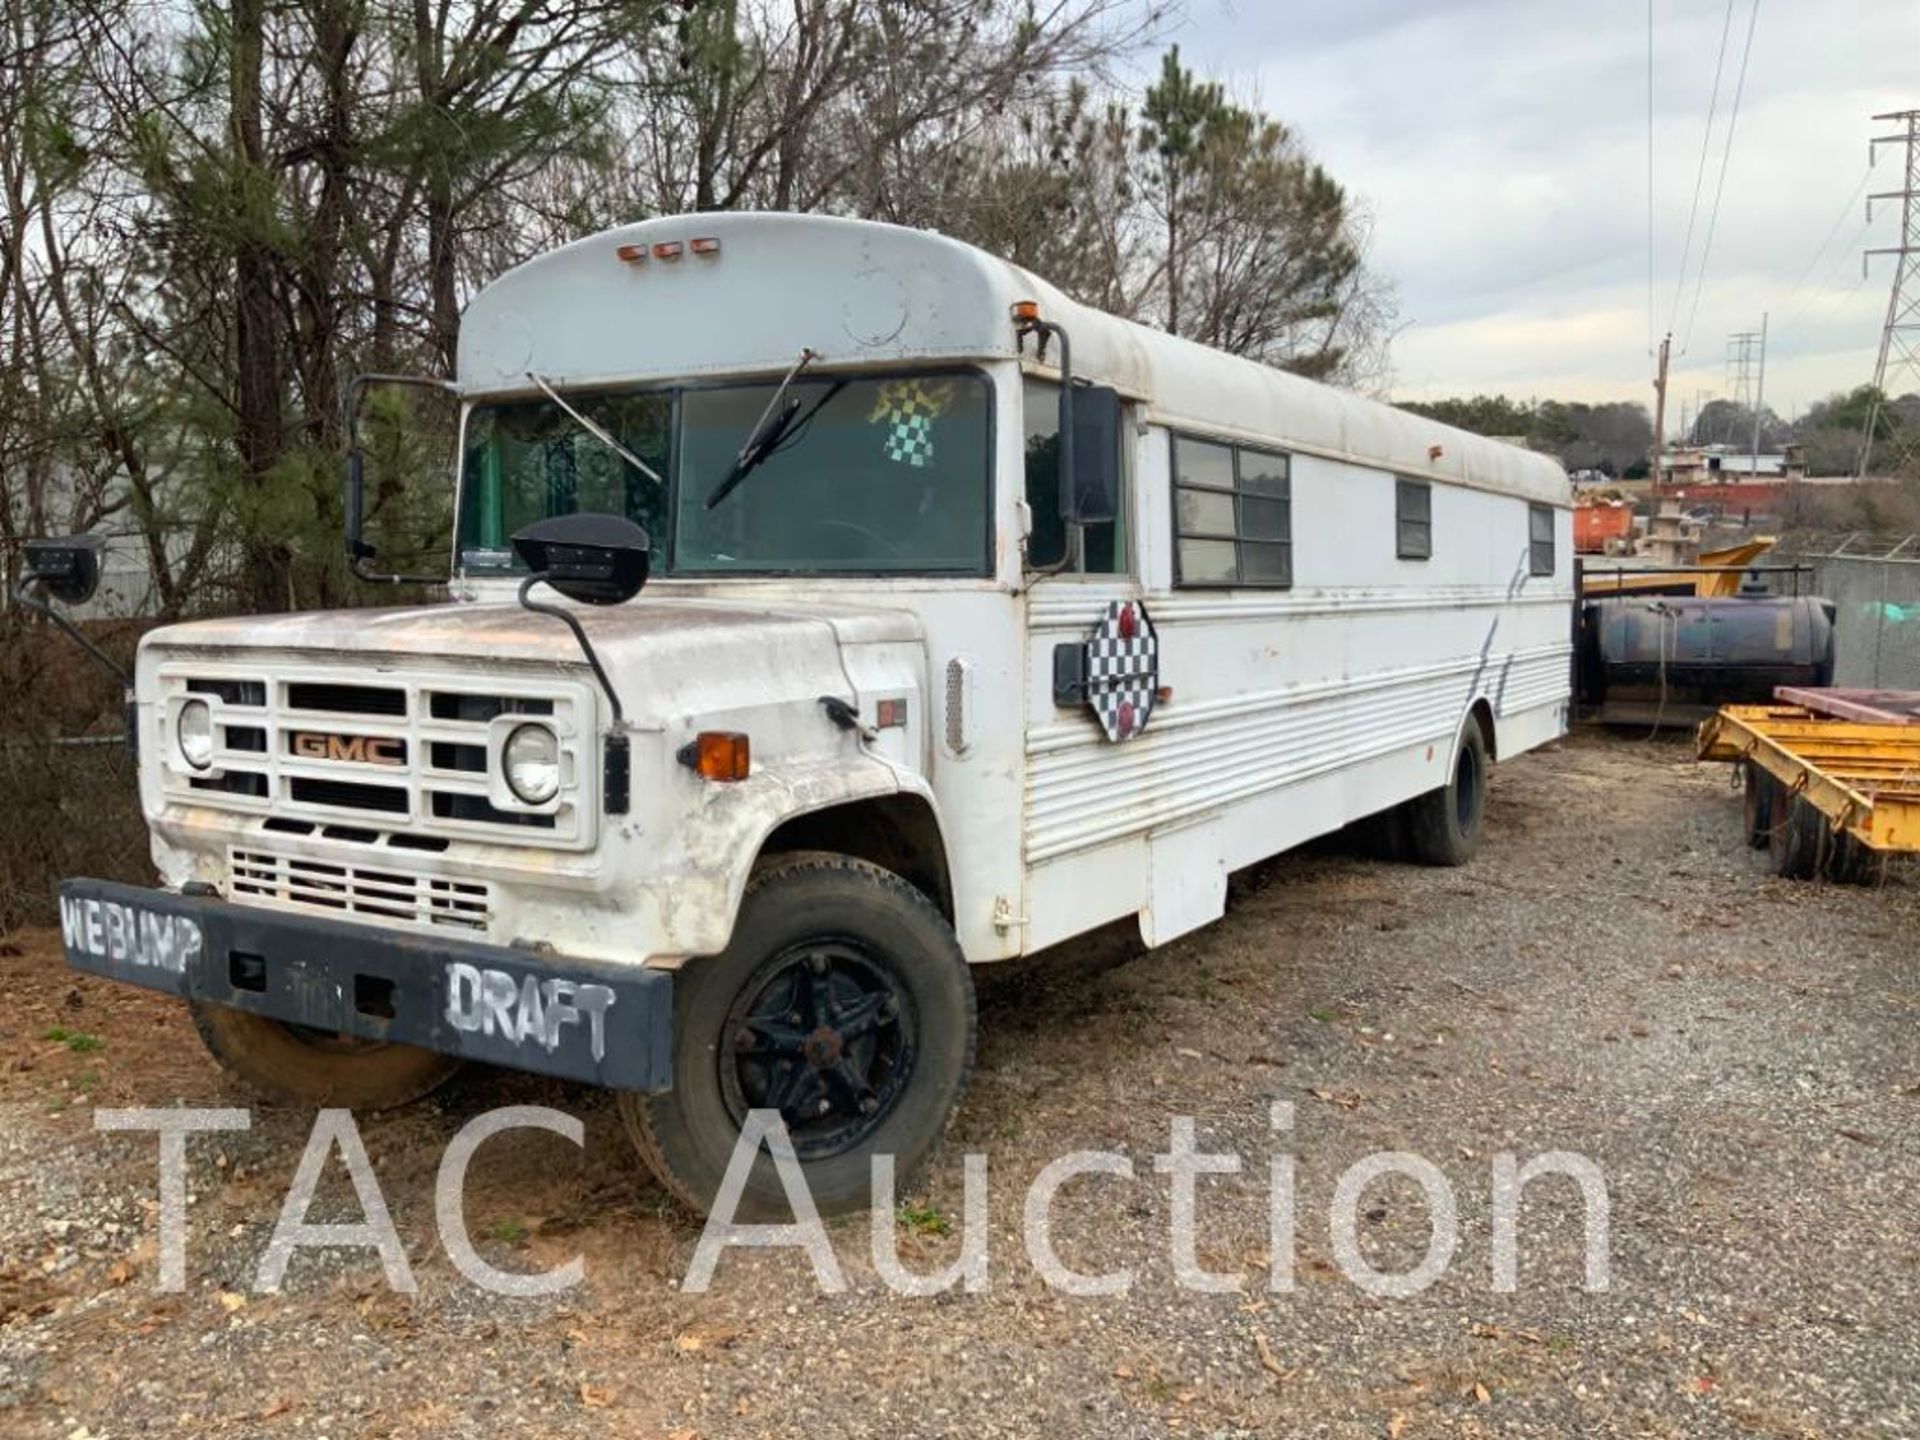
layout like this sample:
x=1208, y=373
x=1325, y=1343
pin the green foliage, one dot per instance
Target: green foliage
x=923, y=1220
x=1610, y=438
x=78, y=1041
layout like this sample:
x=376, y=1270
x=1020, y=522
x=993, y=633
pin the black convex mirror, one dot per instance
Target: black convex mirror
x=595, y=559
x=67, y=570
x=1093, y=490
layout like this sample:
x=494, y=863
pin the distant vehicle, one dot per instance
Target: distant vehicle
x=973, y=619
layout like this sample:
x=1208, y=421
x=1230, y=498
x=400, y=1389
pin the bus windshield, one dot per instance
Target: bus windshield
x=871, y=475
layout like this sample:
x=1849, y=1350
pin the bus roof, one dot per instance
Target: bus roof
x=641, y=303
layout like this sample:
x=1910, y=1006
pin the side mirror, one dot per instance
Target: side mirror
x=1092, y=492
x=66, y=570
x=595, y=559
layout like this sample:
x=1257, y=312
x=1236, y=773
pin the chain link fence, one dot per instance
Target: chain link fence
x=1877, y=619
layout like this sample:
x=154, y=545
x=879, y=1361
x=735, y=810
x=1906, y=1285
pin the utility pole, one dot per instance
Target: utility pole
x=1660, y=411
x=1900, y=333
x=1759, y=399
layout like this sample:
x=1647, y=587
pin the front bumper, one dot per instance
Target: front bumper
x=580, y=1020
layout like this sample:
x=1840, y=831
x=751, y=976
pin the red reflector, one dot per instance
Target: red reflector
x=706, y=246
x=667, y=250
x=633, y=254
x=890, y=715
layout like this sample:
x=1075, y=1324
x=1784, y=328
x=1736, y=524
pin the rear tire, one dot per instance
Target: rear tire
x=1856, y=863
x=1798, y=840
x=1761, y=803
x=295, y=1066
x=843, y=1001
x=1444, y=826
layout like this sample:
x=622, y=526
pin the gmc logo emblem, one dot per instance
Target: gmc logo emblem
x=356, y=749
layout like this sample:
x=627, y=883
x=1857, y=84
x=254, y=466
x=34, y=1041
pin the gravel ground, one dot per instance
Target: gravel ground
x=1615, y=975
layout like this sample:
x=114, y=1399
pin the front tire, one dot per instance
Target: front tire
x=1444, y=826
x=293, y=1065
x=844, y=1002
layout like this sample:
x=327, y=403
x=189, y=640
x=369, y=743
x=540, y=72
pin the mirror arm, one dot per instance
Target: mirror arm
x=26, y=593
x=572, y=622
x=1075, y=531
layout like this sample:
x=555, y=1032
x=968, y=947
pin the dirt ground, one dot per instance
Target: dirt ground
x=1615, y=975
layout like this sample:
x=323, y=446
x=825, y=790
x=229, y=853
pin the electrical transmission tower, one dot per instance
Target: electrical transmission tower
x=1743, y=355
x=1899, y=362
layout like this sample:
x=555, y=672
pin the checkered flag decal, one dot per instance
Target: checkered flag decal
x=1123, y=669
x=908, y=409
x=910, y=441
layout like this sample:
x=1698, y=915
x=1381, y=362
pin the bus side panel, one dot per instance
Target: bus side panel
x=1292, y=712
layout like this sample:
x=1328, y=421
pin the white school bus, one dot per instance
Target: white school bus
x=833, y=607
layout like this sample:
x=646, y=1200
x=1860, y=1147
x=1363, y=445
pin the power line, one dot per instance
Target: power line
x=1700, y=171
x=1650, y=177
x=1838, y=221
x=1820, y=303
x=1726, y=158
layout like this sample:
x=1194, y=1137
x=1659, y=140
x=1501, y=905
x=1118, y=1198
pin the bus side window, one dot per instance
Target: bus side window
x=1106, y=545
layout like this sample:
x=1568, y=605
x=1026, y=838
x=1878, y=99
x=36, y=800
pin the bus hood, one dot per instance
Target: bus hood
x=721, y=644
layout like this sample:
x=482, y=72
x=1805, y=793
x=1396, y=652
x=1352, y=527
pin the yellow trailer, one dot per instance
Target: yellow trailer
x=1825, y=794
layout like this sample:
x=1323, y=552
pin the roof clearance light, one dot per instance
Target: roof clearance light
x=706, y=245
x=667, y=250
x=1025, y=312
x=632, y=254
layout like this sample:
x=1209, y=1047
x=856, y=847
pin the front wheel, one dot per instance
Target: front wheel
x=844, y=1003
x=295, y=1065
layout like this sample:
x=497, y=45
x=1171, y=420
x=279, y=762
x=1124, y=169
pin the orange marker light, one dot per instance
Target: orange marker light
x=706, y=245
x=1025, y=312
x=633, y=254
x=718, y=755
x=667, y=250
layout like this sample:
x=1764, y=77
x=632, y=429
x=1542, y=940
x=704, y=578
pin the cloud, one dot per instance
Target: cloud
x=1502, y=149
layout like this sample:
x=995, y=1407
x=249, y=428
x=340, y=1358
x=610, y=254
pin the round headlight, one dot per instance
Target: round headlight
x=532, y=759
x=193, y=733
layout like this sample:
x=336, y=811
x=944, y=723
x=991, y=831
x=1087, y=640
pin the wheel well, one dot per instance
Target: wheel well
x=1481, y=712
x=895, y=832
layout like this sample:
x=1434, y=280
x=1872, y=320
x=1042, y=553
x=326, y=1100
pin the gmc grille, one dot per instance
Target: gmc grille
x=412, y=758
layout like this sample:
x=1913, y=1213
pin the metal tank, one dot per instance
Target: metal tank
x=1678, y=657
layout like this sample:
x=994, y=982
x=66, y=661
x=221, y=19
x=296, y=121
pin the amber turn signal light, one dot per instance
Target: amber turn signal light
x=718, y=755
x=1026, y=312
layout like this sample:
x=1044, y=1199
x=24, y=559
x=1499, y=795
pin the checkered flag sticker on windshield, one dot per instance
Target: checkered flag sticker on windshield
x=1123, y=669
x=908, y=408
x=910, y=442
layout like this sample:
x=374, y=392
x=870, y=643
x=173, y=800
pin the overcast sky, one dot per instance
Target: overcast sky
x=1502, y=148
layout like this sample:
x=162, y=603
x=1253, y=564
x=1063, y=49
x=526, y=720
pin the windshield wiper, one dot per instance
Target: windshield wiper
x=767, y=433
x=598, y=433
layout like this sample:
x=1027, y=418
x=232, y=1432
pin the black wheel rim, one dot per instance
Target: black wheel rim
x=825, y=1033
x=1466, y=790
